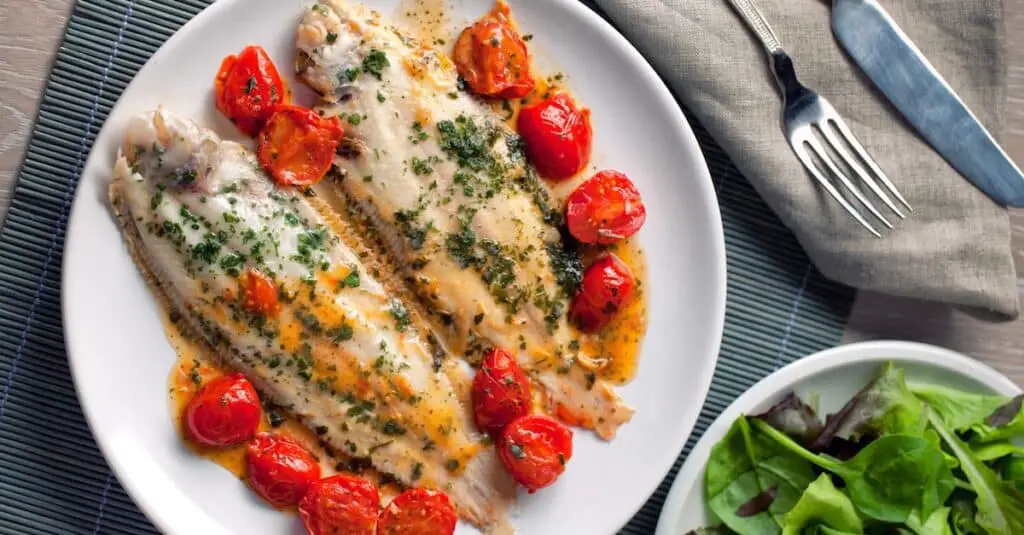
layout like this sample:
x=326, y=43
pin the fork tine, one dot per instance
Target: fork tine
x=837, y=145
x=820, y=151
x=863, y=153
x=801, y=152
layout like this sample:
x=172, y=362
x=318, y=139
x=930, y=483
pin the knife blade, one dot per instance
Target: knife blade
x=915, y=88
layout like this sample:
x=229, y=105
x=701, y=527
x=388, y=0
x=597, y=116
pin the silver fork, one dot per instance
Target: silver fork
x=803, y=113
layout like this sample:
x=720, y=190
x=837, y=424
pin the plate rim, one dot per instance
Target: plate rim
x=145, y=500
x=797, y=371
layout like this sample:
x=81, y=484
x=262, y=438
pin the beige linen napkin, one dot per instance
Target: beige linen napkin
x=955, y=246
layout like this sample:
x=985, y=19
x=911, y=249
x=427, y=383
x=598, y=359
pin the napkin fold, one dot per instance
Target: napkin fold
x=955, y=246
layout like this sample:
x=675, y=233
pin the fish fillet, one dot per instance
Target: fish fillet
x=341, y=354
x=447, y=187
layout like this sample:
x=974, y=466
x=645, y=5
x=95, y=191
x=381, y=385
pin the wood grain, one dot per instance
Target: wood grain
x=31, y=34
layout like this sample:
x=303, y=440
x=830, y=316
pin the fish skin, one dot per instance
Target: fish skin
x=412, y=162
x=374, y=395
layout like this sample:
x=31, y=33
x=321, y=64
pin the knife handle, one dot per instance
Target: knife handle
x=756, y=21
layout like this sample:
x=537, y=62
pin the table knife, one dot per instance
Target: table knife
x=896, y=66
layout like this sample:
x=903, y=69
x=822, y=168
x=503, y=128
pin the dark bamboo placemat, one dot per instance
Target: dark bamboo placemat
x=53, y=479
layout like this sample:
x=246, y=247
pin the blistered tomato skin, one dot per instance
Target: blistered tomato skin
x=535, y=450
x=608, y=284
x=297, y=145
x=557, y=136
x=259, y=293
x=247, y=88
x=418, y=512
x=605, y=209
x=340, y=505
x=501, y=392
x=225, y=412
x=280, y=470
x=493, y=60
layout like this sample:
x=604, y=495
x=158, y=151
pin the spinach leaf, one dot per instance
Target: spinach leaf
x=1006, y=422
x=996, y=450
x=890, y=478
x=937, y=524
x=822, y=505
x=962, y=514
x=960, y=410
x=825, y=530
x=1013, y=472
x=885, y=406
x=1000, y=505
x=743, y=466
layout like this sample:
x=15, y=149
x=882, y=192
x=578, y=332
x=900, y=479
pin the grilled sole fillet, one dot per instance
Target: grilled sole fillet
x=342, y=355
x=448, y=189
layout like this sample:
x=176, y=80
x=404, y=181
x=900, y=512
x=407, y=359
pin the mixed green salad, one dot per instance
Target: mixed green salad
x=899, y=458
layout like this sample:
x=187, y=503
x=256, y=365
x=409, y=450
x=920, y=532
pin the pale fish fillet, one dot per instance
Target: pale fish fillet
x=341, y=355
x=455, y=203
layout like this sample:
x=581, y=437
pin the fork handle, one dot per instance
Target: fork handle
x=755, y=19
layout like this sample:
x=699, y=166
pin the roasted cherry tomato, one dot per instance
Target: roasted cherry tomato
x=340, y=505
x=605, y=209
x=492, y=58
x=259, y=294
x=418, y=512
x=501, y=392
x=248, y=87
x=535, y=449
x=225, y=412
x=297, y=145
x=280, y=470
x=557, y=136
x=607, y=286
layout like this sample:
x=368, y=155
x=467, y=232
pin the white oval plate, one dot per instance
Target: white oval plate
x=834, y=376
x=120, y=358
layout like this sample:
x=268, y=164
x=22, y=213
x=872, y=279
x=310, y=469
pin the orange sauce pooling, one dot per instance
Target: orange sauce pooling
x=194, y=368
x=618, y=345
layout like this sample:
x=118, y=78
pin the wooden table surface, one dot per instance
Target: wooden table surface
x=30, y=34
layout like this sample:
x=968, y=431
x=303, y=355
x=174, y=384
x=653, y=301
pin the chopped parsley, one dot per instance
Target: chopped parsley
x=417, y=471
x=467, y=143
x=352, y=280
x=393, y=428
x=421, y=166
x=232, y=263
x=331, y=38
x=401, y=315
x=341, y=333
x=375, y=62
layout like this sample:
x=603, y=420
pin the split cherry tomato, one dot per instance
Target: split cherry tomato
x=418, y=512
x=280, y=469
x=340, y=505
x=259, y=294
x=247, y=88
x=297, y=145
x=492, y=58
x=535, y=449
x=557, y=136
x=501, y=392
x=607, y=285
x=225, y=412
x=605, y=209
